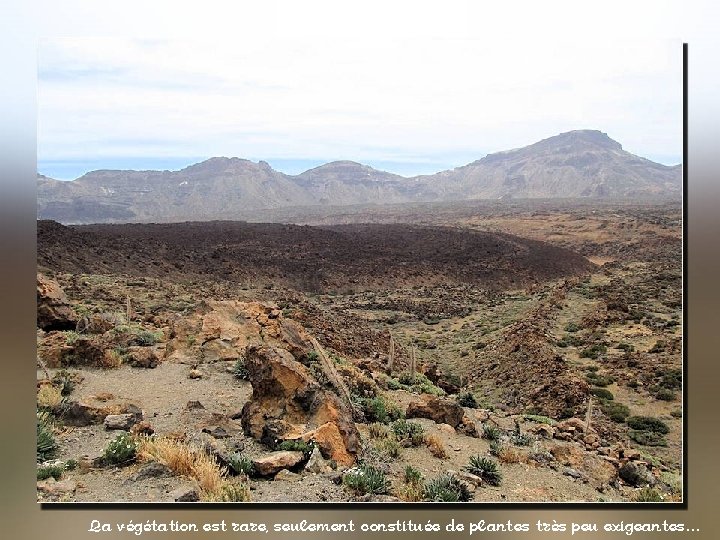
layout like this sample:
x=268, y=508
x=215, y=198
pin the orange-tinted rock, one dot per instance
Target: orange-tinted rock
x=53, y=310
x=275, y=462
x=442, y=411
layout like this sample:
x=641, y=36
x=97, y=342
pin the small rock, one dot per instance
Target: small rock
x=119, y=421
x=287, y=476
x=636, y=474
x=274, y=462
x=142, y=428
x=317, y=464
x=152, y=470
x=377, y=498
x=446, y=428
x=185, y=494
x=470, y=478
x=194, y=404
x=573, y=473
x=194, y=374
x=54, y=487
x=217, y=432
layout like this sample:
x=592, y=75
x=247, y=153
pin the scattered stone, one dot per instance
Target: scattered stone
x=56, y=487
x=287, y=476
x=447, y=429
x=152, y=470
x=194, y=374
x=636, y=474
x=377, y=498
x=142, y=428
x=470, y=478
x=53, y=310
x=442, y=411
x=119, y=421
x=143, y=357
x=316, y=464
x=97, y=323
x=194, y=404
x=217, y=432
x=276, y=461
x=185, y=494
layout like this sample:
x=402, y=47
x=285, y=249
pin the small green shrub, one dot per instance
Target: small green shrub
x=408, y=431
x=539, y=419
x=647, y=438
x=240, y=464
x=658, y=347
x=146, y=338
x=378, y=430
x=47, y=447
x=411, y=475
x=617, y=412
x=602, y=393
x=393, y=384
x=491, y=433
x=297, y=446
x=596, y=379
x=665, y=394
x=466, y=399
x=677, y=413
x=64, y=380
x=648, y=423
x=374, y=410
x=389, y=449
x=522, y=439
x=231, y=492
x=311, y=357
x=366, y=479
x=446, y=488
x=46, y=471
x=486, y=469
x=120, y=451
x=671, y=379
x=648, y=494
x=572, y=327
x=626, y=347
x=240, y=370
x=593, y=351
x=496, y=448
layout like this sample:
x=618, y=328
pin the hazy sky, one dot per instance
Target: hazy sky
x=408, y=106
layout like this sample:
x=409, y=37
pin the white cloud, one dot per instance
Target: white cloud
x=365, y=99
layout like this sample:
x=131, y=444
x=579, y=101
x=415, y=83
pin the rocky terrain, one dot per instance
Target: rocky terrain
x=452, y=360
x=576, y=164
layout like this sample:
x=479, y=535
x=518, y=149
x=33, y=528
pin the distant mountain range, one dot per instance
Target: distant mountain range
x=584, y=163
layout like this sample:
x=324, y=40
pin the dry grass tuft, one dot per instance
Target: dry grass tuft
x=377, y=430
x=436, y=446
x=508, y=454
x=185, y=461
x=410, y=492
x=111, y=359
x=49, y=396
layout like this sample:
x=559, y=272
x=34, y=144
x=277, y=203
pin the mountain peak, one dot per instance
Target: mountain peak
x=584, y=136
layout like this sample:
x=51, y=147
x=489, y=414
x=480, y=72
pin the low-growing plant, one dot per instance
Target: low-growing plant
x=229, y=492
x=671, y=379
x=658, y=347
x=447, y=488
x=615, y=411
x=665, y=394
x=599, y=380
x=47, y=447
x=486, y=469
x=436, y=446
x=647, y=438
x=648, y=494
x=593, y=351
x=648, y=423
x=539, y=419
x=378, y=430
x=366, y=479
x=65, y=381
x=146, y=338
x=375, y=410
x=297, y=445
x=496, y=448
x=53, y=470
x=240, y=370
x=491, y=433
x=522, y=439
x=572, y=327
x=389, y=449
x=467, y=399
x=411, y=475
x=49, y=397
x=411, y=432
x=240, y=464
x=120, y=451
x=602, y=393
x=677, y=413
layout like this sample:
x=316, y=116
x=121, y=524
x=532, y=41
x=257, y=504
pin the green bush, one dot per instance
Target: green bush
x=297, y=446
x=647, y=438
x=496, y=448
x=602, y=393
x=374, y=410
x=240, y=370
x=521, y=439
x=648, y=423
x=491, y=433
x=446, y=488
x=47, y=447
x=617, y=412
x=593, y=351
x=411, y=475
x=671, y=379
x=648, y=494
x=120, y=451
x=486, y=469
x=231, y=492
x=596, y=379
x=389, y=449
x=46, y=471
x=466, y=399
x=539, y=419
x=665, y=394
x=408, y=431
x=146, y=338
x=572, y=327
x=240, y=464
x=366, y=479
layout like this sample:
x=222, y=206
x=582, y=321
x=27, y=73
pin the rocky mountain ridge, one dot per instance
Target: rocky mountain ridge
x=577, y=164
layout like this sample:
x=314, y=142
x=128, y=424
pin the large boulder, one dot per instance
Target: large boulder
x=442, y=411
x=288, y=404
x=53, y=310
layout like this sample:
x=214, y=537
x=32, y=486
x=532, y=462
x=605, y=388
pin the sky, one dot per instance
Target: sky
x=406, y=105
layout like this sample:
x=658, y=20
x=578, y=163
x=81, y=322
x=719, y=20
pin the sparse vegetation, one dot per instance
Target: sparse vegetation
x=51, y=470
x=120, y=451
x=648, y=494
x=447, y=488
x=241, y=464
x=46, y=445
x=240, y=370
x=365, y=479
x=467, y=399
x=436, y=446
x=602, y=393
x=410, y=432
x=648, y=423
x=615, y=411
x=486, y=469
x=491, y=433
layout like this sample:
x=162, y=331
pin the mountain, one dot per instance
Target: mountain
x=584, y=163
